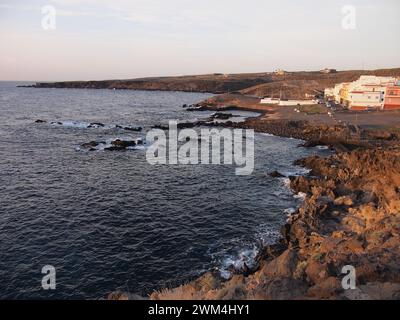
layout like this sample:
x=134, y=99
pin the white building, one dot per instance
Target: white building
x=297, y=102
x=361, y=100
x=366, y=92
x=287, y=102
x=338, y=89
x=329, y=92
x=269, y=101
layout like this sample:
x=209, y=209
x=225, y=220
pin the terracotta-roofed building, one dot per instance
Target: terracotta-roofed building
x=368, y=92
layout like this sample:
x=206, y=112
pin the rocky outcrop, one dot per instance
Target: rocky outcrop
x=222, y=116
x=276, y=174
x=95, y=125
x=113, y=145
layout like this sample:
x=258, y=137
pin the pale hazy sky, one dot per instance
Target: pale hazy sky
x=106, y=39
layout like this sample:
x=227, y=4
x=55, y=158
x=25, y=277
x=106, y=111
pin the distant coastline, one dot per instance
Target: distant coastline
x=259, y=84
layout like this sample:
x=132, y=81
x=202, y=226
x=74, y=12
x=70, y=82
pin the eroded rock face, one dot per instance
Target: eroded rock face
x=350, y=216
x=281, y=267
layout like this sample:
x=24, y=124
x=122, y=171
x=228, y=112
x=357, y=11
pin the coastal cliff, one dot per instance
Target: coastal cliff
x=207, y=84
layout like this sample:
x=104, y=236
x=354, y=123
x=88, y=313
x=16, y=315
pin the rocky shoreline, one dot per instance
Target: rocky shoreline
x=350, y=216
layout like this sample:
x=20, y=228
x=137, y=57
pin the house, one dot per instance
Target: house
x=329, y=93
x=365, y=93
x=327, y=71
x=344, y=94
x=283, y=102
x=337, y=90
x=392, y=97
x=368, y=92
x=364, y=100
x=280, y=72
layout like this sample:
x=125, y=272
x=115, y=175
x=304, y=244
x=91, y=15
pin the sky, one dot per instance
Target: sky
x=123, y=39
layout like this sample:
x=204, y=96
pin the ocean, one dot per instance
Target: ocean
x=108, y=220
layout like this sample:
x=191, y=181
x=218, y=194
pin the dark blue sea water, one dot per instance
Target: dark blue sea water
x=109, y=220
